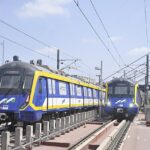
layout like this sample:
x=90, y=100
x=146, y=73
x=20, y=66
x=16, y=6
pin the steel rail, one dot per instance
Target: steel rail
x=74, y=146
x=114, y=145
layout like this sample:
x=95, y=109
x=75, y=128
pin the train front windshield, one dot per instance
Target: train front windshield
x=10, y=81
x=13, y=82
x=121, y=90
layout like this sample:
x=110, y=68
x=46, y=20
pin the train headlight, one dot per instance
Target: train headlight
x=131, y=105
x=109, y=103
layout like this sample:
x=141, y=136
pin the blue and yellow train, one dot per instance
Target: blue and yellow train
x=124, y=99
x=30, y=92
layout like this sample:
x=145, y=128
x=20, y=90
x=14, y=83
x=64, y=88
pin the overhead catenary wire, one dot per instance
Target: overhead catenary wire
x=141, y=72
x=96, y=33
x=25, y=47
x=136, y=72
x=31, y=37
x=26, y=34
x=106, y=31
x=130, y=72
x=34, y=38
x=118, y=71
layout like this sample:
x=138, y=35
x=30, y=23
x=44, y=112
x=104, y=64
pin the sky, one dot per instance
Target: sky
x=60, y=24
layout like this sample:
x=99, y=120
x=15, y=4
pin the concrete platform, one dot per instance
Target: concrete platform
x=138, y=137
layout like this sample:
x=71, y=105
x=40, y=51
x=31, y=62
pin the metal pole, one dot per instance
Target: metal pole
x=58, y=59
x=147, y=79
x=101, y=85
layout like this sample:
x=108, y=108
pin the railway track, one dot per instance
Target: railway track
x=84, y=134
x=87, y=142
x=115, y=144
x=107, y=137
x=85, y=138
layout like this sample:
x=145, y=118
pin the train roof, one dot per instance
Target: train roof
x=19, y=66
x=30, y=68
x=121, y=80
x=25, y=66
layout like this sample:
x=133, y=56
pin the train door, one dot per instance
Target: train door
x=72, y=95
x=50, y=91
x=40, y=97
x=79, y=96
x=85, y=96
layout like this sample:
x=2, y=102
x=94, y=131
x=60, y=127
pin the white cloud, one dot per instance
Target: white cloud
x=43, y=8
x=138, y=51
x=116, y=38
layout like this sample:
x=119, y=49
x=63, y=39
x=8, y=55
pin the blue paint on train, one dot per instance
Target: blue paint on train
x=126, y=104
x=123, y=98
x=17, y=80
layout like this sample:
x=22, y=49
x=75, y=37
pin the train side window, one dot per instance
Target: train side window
x=50, y=86
x=89, y=92
x=85, y=91
x=132, y=90
x=40, y=85
x=62, y=88
x=110, y=90
x=27, y=82
x=72, y=91
x=54, y=87
x=94, y=93
x=78, y=88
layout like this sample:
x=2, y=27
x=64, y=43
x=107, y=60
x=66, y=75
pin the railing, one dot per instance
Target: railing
x=52, y=128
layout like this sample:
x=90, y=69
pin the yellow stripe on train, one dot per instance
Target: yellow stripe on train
x=58, y=77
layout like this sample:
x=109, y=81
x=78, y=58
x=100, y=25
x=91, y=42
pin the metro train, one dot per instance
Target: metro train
x=124, y=99
x=30, y=92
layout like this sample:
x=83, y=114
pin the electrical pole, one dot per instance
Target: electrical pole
x=147, y=81
x=101, y=93
x=101, y=85
x=147, y=102
x=58, y=59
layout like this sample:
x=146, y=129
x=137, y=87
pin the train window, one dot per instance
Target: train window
x=62, y=88
x=85, y=91
x=132, y=90
x=53, y=87
x=110, y=90
x=72, y=92
x=100, y=92
x=94, y=93
x=10, y=81
x=121, y=90
x=89, y=92
x=50, y=86
x=40, y=85
x=78, y=90
x=27, y=82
